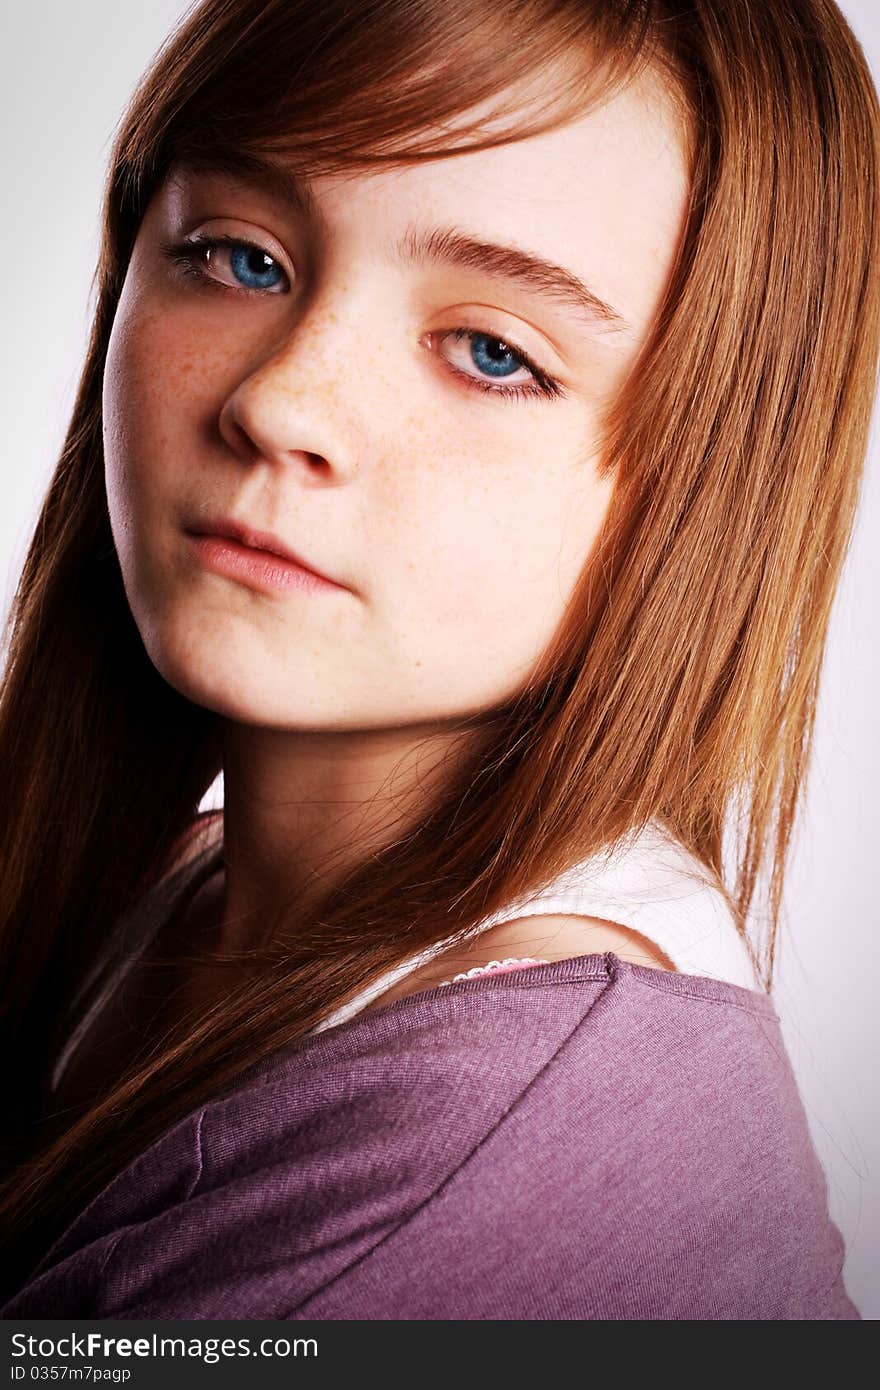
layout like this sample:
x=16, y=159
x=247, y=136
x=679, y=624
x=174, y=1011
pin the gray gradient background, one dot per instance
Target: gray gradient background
x=68, y=71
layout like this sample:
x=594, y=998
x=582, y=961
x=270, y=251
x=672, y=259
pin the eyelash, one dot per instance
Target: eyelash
x=188, y=256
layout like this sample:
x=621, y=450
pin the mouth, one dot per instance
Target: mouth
x=256, y=558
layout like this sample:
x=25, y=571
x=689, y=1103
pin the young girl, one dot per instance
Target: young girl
x=463, y=463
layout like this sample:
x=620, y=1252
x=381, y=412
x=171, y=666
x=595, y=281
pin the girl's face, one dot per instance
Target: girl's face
x=383, y=377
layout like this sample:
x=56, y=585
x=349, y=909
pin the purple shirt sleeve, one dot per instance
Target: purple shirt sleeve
x=586, y=1139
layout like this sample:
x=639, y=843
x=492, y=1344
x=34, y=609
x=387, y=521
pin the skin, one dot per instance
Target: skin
x=325, y=408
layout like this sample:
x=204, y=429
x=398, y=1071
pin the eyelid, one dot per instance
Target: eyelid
x=461, y=331
x=212, y=240
x=488, y=317
x=255, y=235
x=543, y=384
x=493, y=313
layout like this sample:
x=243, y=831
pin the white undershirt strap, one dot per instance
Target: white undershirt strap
x=649, y=882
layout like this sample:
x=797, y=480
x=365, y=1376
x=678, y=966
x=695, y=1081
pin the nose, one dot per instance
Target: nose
x=296, y=409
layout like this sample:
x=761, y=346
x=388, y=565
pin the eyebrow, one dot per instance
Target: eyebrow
x=534, y=274
x=254, y=169
x=417, y=246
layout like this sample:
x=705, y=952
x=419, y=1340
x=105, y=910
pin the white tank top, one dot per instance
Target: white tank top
x=649, y=882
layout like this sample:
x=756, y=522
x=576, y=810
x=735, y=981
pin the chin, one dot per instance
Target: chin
x=200, y=665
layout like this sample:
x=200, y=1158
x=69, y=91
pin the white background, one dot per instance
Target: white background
x=68, y=71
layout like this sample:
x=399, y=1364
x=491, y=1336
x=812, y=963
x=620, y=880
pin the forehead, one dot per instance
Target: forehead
x=604, y=195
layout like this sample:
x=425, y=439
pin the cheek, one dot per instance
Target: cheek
x=492, y=561
x=149, y=403
x=135, y=394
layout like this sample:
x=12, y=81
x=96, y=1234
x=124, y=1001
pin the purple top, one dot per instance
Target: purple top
x=584, y=1139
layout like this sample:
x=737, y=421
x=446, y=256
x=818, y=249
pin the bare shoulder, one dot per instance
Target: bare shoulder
x=560, y=936
x=550, y=937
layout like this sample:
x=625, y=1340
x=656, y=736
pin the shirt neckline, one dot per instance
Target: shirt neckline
x=569, y=970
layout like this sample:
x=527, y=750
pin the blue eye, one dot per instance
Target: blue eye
x=248, y=262
x=485, y=355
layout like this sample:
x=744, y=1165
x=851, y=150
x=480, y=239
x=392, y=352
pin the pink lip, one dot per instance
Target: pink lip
x=255, y=558
x=255, y=540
